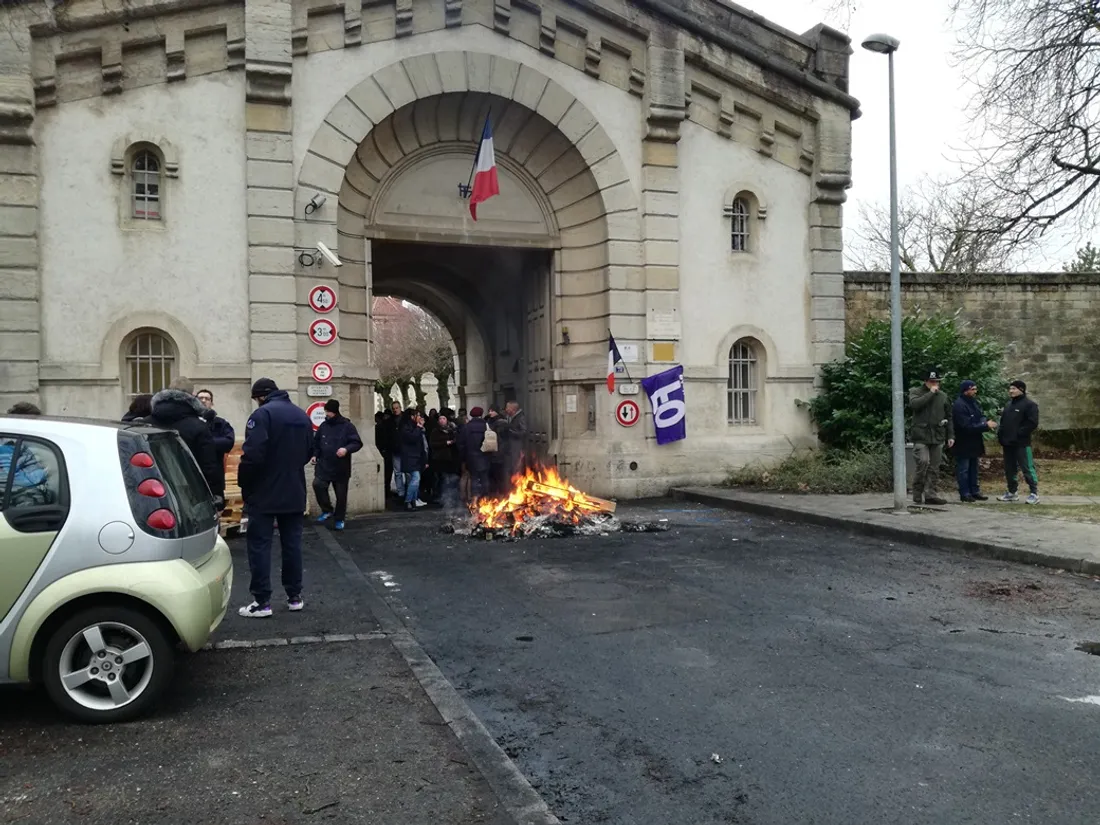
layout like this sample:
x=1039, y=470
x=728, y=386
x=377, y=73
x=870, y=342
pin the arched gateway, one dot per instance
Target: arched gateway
x=670, y=172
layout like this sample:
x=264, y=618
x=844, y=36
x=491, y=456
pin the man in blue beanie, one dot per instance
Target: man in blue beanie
x=971, y=425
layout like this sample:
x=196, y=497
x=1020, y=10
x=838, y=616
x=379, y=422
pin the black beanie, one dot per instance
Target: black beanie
x=332, y=406
x=1020, y=385
x=263, y=388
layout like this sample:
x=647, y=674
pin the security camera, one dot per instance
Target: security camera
x=329, y=255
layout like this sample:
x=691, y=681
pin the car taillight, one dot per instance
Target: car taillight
x=152, y=488
x=161, y=519
x=141, y=460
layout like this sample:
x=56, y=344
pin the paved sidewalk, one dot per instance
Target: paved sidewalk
x=991, y=529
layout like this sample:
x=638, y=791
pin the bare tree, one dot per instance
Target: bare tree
x=409, y=343
x=943, y=227
x=1036, y=68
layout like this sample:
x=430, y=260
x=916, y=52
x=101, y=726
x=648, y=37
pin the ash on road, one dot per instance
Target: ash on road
x=837, y=679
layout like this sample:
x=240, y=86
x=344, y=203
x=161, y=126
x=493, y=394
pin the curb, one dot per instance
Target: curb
x=1000, y=552
x=514, y=792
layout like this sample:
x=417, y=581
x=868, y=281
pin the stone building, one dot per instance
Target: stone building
x=671, y=170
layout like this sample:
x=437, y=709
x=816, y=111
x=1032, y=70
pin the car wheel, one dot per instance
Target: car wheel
x=107, y=664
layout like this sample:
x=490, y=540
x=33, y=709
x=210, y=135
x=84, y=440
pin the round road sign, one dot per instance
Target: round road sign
x=322, y=372
x=322, y=332
x=316, y=413
x=322, y=299
x=627, y=413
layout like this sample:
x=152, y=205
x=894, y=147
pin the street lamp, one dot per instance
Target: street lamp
x=887, y=45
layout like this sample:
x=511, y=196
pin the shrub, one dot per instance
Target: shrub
x=843, y=472
x=853, y=408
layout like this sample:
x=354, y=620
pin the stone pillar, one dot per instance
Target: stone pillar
x=272, y=293
x=19, y=265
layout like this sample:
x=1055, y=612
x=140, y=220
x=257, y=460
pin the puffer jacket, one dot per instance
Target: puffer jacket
x=176, y=410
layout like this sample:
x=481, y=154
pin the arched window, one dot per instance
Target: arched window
x=739, y=225
x=145, y=186
x=742, y=387
x=150, y=363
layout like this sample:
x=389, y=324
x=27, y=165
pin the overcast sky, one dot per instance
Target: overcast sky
x=931, y=97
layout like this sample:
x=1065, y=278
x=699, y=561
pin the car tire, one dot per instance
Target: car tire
x=120, y=680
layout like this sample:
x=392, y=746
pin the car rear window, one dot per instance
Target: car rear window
x=194, y=506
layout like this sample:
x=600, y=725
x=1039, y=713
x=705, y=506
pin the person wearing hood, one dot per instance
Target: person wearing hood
x=333, y=443
x=176, y=408
x=1018, y=421
x=932, y=426
x=278, y=444
x=971, y=425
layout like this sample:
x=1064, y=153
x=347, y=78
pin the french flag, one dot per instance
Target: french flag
x=485, y=171
x=613, y=358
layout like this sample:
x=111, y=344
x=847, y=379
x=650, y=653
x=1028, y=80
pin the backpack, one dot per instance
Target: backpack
x=489, y=445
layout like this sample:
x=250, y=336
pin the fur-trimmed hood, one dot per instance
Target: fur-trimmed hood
x=173, y=405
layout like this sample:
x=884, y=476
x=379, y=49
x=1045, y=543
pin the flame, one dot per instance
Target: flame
x=535, y=493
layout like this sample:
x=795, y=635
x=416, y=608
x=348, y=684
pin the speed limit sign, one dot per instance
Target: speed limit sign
x=627, y=413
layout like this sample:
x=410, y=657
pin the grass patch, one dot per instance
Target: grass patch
x=1085, y=513
x=1057, y=476
x=839, y=472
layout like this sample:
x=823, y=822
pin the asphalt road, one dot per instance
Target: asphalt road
x=740, y=670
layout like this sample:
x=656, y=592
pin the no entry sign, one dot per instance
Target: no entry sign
x=322, y=299
x=322, y=332
x=316, y=413
x=322, y=372
x=627, y=413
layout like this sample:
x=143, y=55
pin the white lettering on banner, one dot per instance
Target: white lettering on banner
x=668, y=412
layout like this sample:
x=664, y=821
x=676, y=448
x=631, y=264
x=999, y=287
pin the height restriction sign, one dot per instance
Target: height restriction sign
x=322, y=299
x=627, y=413
x=322, y=332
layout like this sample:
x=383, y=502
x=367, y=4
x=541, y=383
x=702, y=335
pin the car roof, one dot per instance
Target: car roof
x=58, y=425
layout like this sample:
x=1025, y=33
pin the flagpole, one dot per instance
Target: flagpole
x=477, y=154
x=626, y=369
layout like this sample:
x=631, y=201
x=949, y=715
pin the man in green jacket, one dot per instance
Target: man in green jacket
x=932, y=426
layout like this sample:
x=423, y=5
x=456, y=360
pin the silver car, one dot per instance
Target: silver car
x=110, y=559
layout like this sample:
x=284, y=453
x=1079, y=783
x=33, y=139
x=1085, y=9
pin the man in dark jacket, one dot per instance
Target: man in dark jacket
x=414, y=456
x=515, y=439
x=1018, y=421
x=222, y=430
x=971, y=425
x=333, y=443
x=278, y=443
x=932, y=426
x=443, y=444
x=470, y=439
x=177, y=409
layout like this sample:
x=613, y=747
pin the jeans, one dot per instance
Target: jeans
x=1017, y=460
x=398, y=477
x=260, y=536
x=412, y=486
x=340, y=486
x=929, y=457
x=966, y=473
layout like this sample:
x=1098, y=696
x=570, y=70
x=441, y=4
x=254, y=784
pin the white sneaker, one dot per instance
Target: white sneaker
x=1033, y=498
x=294, y=605
x=255, y=611
x=1008, y=497
x=420, y=503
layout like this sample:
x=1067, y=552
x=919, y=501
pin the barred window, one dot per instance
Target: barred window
x=145, y=174
x=739, y=225
x=741, y=389
x=150, y=362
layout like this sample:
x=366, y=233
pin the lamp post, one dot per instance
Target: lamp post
x=887, y=45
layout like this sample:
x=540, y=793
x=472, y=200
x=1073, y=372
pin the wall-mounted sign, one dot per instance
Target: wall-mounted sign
x=627, y=389
x=628, y=413
x=322, y=332
x=322, y=299
x=322, y=372
x=629, y=352
x=316, y=413
x=319, y=390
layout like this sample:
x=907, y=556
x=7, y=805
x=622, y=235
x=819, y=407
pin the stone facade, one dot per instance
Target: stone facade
x=1045, y=321
x=633, y=141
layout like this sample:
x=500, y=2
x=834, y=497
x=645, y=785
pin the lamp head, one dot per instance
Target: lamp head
x=881, y=44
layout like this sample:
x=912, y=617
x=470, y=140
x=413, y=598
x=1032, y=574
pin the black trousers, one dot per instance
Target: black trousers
x=320, y=489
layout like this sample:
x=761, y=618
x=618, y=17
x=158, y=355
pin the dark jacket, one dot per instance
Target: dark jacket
x=278, y=443
x=129, y=418
x=499, y=426
x=413, y=457
x=383, y=435
x=932, y=419
x=334, y=433
x=176, y=410
x=444, y=455
x=970, y=427
x=1018, y=421
x=222, y=430
x=470, y=439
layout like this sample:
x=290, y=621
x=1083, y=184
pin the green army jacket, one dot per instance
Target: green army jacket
x=932, y=420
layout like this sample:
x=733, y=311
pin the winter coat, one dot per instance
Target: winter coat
x=334, y=433
x=499, y=426
x=514, y=440
x=278, y=443
x=932, y=418
x=470, y=439
x=222, y=430
x=1018, y=421
x=413, y=453
x=383, y=435
x=179, y=411
x=970, y=427
x=444, y=456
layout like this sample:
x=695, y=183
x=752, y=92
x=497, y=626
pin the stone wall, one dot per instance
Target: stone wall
x=1047, y=323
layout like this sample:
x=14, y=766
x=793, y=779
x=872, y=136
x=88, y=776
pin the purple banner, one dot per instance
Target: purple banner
x=666, y=396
